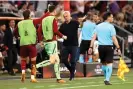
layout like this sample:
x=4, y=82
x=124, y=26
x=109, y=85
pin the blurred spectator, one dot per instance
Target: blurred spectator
x=2, y=29
x=55, y=3
x=122, y=3
x=113, y=7
x=80, y=5
x=120, y=20
x=9, y=7
x=42, y=5
x=5, y=4
x=10, y=42
x=128, y=12
x=23, y=7
x=88, y=6
x=74, y=11
x=100, y=6
x=32, y=9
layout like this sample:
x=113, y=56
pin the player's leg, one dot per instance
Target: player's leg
x=28, y=67
x=32, y=55
x=33, y=70
x=54, y=58
x=57, y=69
x=108, y=74
x=89, y=55
x=43, y=63
x=49, y=46
x=2, y=63
x=73, y=61
x=109, y=63
x=23, y=68
x=102, y=57
x=23, y=56
x=82, y=52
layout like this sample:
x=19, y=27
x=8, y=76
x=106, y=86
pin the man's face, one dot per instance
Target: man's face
x=55, y=12
x=31, y=7
x=95, y=18
x=3, y=27
x=25, y=7
x=110, y=18
x=12, y=23
x=67, y=16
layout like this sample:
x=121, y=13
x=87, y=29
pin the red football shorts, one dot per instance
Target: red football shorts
x=28, y=51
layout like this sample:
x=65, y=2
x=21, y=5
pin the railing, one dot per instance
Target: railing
x=123, y=41
x=124, y=30
x=123, y=37
x=130, y=25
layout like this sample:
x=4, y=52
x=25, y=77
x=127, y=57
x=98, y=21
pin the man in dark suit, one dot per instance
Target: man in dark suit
x=70, y=46
x=10, y=42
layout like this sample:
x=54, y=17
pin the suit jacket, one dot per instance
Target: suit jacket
x=8, y=38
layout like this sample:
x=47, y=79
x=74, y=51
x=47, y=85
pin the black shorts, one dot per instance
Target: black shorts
x=85, y=44
x=106, y=53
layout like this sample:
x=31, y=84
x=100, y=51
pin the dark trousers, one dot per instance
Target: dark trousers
x=72, y=51
x=12, y=58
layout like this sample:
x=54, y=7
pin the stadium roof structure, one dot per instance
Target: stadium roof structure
x=8, y=14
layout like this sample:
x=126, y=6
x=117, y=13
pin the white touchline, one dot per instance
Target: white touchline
x=52, y=85
x=66, y=84
x=86, y=86
x=79, y=83
x=23, y=88
x=38, y=86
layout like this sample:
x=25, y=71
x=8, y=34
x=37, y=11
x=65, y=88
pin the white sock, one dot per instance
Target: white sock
x=32, y=77
x=3, y=67
x=23, y=71
x=99, y=60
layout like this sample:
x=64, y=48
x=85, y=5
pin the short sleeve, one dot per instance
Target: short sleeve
x=112, y=30
x=95, y=30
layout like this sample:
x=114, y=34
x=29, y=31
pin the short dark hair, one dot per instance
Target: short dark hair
x=46, y=10
x=30, y=4
x=21, y=5
x=2, y=23
x=11, y=20
x=26, y=13
x=51, y=8
x=80, y=14
x=106, y=15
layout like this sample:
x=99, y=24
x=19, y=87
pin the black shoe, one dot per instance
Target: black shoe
x=12, y=73
x=71, y=76
x=107, y=83
x=3, y=69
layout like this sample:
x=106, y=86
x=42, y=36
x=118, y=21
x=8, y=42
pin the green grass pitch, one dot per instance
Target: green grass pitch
x=78, y=83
